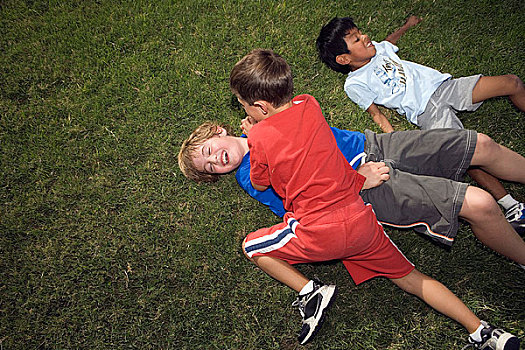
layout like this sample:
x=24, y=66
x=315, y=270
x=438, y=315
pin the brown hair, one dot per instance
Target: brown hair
x=204, y=132
x=262, y=75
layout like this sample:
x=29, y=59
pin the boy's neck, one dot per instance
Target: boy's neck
x=244, y=144
x=356, y=67
x=272, y=111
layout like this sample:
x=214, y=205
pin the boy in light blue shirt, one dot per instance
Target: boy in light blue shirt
x=405, y=87
x=428, y=98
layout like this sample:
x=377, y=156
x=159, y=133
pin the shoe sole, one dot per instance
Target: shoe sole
x=319, y=324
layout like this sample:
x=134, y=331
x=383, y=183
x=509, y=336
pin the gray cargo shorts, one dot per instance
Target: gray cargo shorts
x=424, y=191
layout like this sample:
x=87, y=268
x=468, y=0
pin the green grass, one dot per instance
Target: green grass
x=104, y=244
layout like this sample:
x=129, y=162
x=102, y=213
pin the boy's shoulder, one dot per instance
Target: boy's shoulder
x=303, y=105
x=385, y=45
x=384, y=48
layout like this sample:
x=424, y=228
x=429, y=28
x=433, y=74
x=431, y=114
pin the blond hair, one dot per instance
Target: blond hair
x=204, y=132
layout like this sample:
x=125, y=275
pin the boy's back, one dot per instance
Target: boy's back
x=296, y=152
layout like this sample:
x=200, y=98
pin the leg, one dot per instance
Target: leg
x=439, y=297
x=488, y=182
x=489, y=225
x=313, y=304
x=502, y=85
x=280, y=270
x=498, y=160
x=505, y=164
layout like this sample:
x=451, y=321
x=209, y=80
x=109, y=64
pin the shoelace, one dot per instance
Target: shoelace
x=300, y=303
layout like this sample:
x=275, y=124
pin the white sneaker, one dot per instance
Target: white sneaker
x=313, y=307
x=516, y=217
x=494, y=339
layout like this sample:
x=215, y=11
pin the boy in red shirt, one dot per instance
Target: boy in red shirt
x=293, y=150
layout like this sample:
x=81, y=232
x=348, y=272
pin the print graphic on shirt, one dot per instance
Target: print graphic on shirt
x=392, y=74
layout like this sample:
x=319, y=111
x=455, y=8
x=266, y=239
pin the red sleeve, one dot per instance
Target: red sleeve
x=258, y=164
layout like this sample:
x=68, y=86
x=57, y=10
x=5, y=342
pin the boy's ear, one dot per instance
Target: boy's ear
x=343, y=59
x=263, y=106
x=221, y=131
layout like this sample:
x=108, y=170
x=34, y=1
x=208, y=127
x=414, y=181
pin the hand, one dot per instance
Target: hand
x=247, y=124
x=375, y=172
x=412, y=21
x=259, y=187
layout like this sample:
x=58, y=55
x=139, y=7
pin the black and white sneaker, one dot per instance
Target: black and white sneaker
x=494, y=339
x=516, y=217
x=313, y=307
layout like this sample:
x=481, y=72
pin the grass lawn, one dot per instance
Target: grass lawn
x=104, y=244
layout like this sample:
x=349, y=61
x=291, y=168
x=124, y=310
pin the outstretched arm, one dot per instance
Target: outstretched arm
x=410, y=22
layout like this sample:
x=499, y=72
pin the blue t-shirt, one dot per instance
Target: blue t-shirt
x=393, y=83
x=350, y=143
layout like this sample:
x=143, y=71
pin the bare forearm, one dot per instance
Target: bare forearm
x=379, y=118
x=383, y=123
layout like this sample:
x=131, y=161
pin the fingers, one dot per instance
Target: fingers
x=413, y=20
x=382, y=170
x=247, y=123
x=380, y=164
x=381, y=167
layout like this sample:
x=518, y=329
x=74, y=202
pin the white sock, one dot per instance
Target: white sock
x=309, y=287
x=507, y=202
x=476, y=335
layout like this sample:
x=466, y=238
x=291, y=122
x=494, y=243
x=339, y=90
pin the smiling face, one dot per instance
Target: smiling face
x=361, y=49
x=220, y=154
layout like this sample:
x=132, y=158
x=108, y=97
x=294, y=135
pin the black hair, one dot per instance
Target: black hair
x=330, y=42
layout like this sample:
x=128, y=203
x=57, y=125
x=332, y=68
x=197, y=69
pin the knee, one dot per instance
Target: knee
x=485, y=204
x=478, y=205
x=515, y=83
x=485, y=146
x=484, y=141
